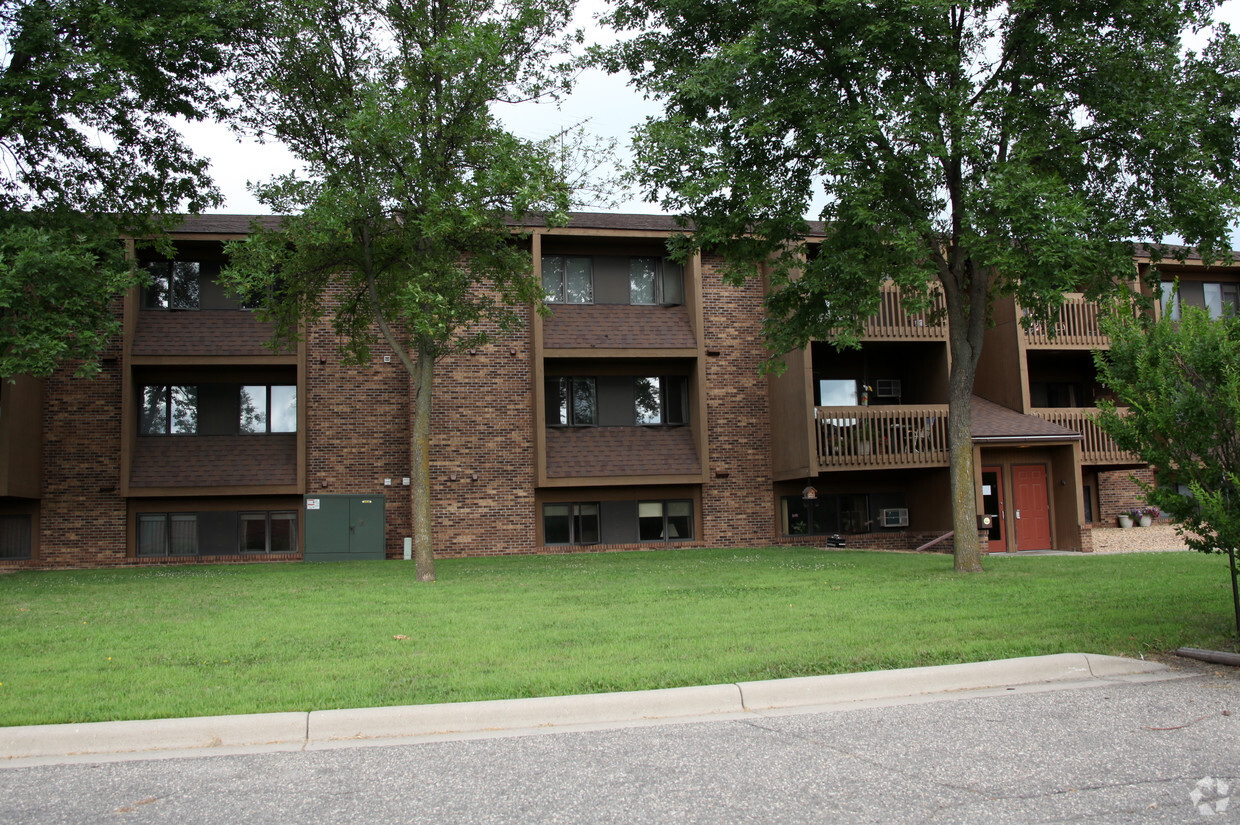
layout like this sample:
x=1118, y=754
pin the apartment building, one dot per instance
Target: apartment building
x=631, y=415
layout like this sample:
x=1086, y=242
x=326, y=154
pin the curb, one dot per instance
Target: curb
x=325, y=728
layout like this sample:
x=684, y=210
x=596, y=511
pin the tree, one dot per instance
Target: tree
x=87, y=92
x=974, y=149
x=1180, y=384
x=413, y=185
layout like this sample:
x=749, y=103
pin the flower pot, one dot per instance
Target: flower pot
x=1146, y=521
x=1125, y=521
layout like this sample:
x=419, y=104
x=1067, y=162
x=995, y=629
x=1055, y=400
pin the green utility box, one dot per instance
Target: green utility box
x=344, y=528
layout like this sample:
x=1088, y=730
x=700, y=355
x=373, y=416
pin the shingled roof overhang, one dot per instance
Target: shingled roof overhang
x=993, y=424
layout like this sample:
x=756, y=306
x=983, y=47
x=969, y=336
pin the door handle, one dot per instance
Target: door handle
x=1018, y=514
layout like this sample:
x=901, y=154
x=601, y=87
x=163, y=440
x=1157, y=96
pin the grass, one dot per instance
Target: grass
x=152, y=642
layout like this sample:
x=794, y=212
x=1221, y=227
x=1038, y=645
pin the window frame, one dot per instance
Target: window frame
x=561, y=264
x=265, y=415
x=22, y=520
x=1228, y=294
x=830, y=514
x=568, y=385
x=574, y=517
x=659, y=277
x=666, y=385
x=267, y=517
x=168, y=519
x=666, y=518
x=149, y=295
x=168, y=407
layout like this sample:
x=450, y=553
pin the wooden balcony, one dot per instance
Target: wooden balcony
x=893, y=323
x=1096, y=446
x=888, y=437
x=1076, y=328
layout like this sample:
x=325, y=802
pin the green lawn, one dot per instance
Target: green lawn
x=180, y=641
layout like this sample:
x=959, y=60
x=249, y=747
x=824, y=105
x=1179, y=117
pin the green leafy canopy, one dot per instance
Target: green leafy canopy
x=88, y=90
x=411, y=185
x=1025, y=143
x=1177, y=385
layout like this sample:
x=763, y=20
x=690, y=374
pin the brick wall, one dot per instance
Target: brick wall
x=82, y=515
x=737, y=510
x=482, y=433
x=1118, y=492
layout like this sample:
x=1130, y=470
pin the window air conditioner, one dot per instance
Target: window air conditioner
x=895, y=517
x=887, y=388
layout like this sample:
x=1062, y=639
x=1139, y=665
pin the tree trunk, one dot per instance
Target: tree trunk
x=420, y=465
x=968, y=549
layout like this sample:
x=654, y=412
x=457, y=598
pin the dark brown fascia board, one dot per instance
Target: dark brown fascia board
x=1040, y=440
x=624, y=481
x=213, y=360
x=619, y=352
x=213, y=492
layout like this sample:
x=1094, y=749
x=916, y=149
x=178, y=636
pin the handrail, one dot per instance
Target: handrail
x=1097, y=447
x=882, y=436
x=893, y=322
x=1076, y=326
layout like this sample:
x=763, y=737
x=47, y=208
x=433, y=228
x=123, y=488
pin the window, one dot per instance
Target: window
x=661, y=400
x=571, y=523
x=15, y=537
x=844, y=513
x=173, y=284
x=274, y=532
x=169, y=409
x=216, y=533
x=1170, y=301
x=571, y=402
x=655, y=281
x=1218, y=299
x=837, y=392
x=268, y=409
x=664, y=520
x=568, y=279
x=167, y=534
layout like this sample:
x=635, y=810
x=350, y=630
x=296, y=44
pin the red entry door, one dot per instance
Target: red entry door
x=1033, y=518
x=992, y=503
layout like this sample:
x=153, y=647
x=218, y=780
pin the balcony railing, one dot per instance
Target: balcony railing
x=891, y=322
x=882, y=437
x=1076, y=327
x=1096, y=446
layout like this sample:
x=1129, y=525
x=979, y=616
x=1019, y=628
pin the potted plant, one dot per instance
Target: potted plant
x=1125, y=519
x=1148, y=515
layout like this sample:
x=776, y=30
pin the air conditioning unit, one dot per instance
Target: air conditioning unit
x=894, y=517
x=887, y=388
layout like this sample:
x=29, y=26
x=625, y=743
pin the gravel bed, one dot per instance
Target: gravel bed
x=1155, y=538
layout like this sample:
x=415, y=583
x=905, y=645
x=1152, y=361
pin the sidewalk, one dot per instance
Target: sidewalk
x=105, y=741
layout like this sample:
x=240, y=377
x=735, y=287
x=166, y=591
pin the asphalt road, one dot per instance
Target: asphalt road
x=1127, y=750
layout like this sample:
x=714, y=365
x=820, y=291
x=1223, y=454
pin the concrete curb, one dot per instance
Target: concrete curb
x=152, y=735
x=893, y=684
x=514, y=714
x=323, y=728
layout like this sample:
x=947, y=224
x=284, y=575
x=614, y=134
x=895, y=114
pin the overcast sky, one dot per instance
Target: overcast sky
x=607, y=105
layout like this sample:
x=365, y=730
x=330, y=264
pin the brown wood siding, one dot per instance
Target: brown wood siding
x=618, y=327
x=200, y=332
x=21, y=437
x=621, y=451
x=214, y=461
